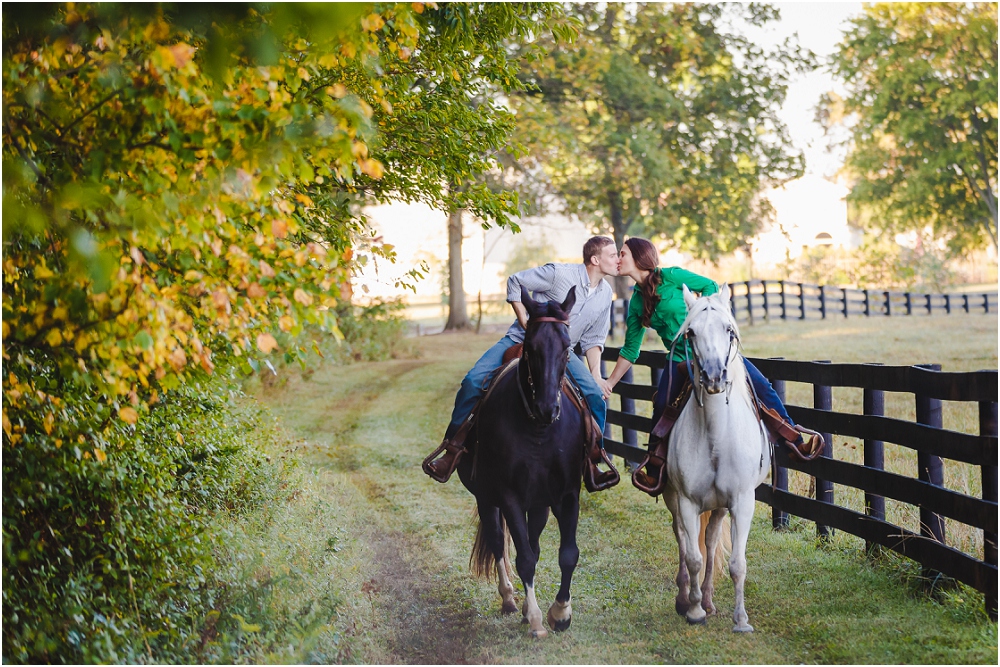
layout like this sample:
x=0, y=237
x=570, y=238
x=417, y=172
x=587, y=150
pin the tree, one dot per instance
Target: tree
x=658, y=120
x=179, y=184
x=922, y=114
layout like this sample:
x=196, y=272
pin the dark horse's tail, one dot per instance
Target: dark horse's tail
x=482, y=560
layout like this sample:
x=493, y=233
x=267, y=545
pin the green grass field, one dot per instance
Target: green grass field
x=366, y=534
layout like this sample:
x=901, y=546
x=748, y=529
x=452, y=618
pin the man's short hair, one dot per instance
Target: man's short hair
x=593, y=247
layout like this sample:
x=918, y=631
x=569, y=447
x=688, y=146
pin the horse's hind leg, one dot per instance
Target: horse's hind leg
x=742, y=512
x=527, y=559
x=713, y=531
x=493, y=533
x=561, y=611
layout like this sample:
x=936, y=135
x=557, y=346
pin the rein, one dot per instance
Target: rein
x=527, y=366
x=690, y=352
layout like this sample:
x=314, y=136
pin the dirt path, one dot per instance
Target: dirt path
x=419, y=616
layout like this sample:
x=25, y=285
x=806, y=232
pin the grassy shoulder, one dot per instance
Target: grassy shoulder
x=366, y=561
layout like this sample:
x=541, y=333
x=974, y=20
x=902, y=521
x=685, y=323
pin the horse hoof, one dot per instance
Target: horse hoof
x=743, y=628
x=540, y=634
x=681, y=607
x=509, y=608
x=696, y=621
x=561, y=626
x=710, y=609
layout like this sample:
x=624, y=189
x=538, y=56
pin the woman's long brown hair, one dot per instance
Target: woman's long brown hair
x=646, y=259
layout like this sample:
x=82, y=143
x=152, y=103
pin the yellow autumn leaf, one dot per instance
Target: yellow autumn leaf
x=286, y=323
x=54, y=337
x=129, y=415
x=100, y=455
x=266, y=343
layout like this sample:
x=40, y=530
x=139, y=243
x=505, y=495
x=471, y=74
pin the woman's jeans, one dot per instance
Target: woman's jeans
x=478, y=379
x=761, y=385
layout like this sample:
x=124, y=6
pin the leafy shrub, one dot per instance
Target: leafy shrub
x=108, y=548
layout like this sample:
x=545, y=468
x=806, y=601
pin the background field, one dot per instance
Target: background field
x=368, y=531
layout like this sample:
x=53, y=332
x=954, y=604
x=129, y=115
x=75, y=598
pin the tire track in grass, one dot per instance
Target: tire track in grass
x=420, y=614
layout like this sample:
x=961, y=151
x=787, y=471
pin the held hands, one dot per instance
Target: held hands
x=605, y=386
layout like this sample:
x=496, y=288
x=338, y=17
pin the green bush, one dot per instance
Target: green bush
x=108, y=549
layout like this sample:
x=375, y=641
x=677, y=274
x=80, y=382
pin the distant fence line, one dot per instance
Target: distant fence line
x=924, y=491
x=763, y=300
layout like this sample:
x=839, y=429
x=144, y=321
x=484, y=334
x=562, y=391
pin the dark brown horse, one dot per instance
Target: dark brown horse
x=528, y=460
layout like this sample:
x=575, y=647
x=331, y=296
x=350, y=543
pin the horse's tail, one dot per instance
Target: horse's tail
x=482, y=560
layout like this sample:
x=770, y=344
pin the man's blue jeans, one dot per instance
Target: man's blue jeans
x=478, y=379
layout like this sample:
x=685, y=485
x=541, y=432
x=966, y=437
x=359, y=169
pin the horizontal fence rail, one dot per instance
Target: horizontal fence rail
x=763, y=300
x=932, y=443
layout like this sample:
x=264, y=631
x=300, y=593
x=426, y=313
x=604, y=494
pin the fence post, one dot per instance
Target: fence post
x=779, y=519
x=988, y=426
x=823, y=400
x=930, y=469
x=947, y=304
x=929, y=306
x=909, y=303
x=888, y=304
x=874, y=453
x=986, y=304
x=782, y=283
x=844, y=289
x=822, y=302
x=749, y=302
x=732, y=300
x=767, y=314
x=965, y=302
x=628, y=407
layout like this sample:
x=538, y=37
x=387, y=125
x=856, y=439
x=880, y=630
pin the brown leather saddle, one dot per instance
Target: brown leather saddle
x=653, y=482
x=594, y=479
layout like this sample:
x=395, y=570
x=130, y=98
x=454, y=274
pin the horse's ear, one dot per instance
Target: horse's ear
x=725, y=296
x=569, y=301
x=689, y=298
x=527, y=301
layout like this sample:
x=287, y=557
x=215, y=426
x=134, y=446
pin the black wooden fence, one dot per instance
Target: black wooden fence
x=763, y=300
x=932, y=443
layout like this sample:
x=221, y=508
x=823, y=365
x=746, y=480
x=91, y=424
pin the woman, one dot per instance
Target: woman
x=658, y=302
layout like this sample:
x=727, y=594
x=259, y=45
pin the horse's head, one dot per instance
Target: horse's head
x=712, y=334
x=545, y=355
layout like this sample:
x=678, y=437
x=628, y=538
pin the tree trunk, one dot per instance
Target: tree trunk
x=458, y=318
x=618, y=229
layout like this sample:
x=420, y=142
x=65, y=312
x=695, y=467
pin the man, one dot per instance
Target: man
x=588, y=325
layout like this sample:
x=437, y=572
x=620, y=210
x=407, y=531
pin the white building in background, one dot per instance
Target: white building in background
x=809, y=211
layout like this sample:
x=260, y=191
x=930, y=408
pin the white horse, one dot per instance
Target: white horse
x=718, y=454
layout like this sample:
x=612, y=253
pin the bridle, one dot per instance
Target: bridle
x=531, y=384
x=691, y=353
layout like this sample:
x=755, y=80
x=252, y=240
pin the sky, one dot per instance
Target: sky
x=820, y=27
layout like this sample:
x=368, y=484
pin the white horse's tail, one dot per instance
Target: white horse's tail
x=722, y=551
